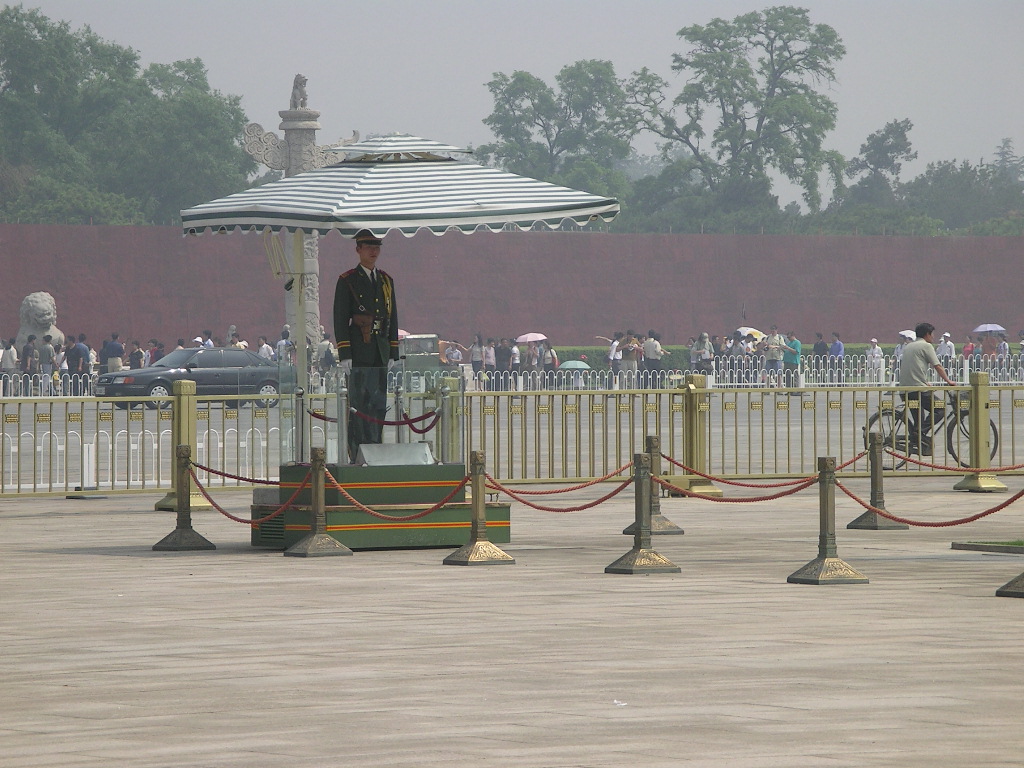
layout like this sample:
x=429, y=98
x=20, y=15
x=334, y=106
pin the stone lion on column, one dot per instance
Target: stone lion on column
x=39, y=317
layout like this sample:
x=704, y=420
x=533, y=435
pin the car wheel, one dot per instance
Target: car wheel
x=161, y=391
x=268, y=395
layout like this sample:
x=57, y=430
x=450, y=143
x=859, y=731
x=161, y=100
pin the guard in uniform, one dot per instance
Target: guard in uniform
x=366, y=329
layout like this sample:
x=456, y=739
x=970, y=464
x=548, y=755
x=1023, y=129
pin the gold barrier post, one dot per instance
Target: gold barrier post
x=870, y=520
x=319, y=543
x=827, y=567
x=660, y=525
x=183, y=537
x=981, y=439
x=642, y=559
x=479, y=551
x=183, y=432
x=695, y=435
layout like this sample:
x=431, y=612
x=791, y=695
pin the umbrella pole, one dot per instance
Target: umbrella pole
x=301, y=345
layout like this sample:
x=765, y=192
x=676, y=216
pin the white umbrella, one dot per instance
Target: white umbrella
x=989, y=328
x=526, y=337
x=403, y=183
x=744, y=330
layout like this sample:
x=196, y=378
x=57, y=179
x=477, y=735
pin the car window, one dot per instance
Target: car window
x=235, y=358
x=208, y=358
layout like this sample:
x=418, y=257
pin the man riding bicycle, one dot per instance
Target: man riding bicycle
x=918, y=357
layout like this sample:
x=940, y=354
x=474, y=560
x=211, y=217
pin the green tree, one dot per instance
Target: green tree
x=541, y=130
x=749, y=103
x=77, y=115
x=879, y=163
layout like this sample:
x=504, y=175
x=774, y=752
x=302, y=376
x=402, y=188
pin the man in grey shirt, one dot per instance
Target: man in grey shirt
x=918, y=360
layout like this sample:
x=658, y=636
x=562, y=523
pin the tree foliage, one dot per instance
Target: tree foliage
x=749, y=103
x=85, y=135
x=541, y=130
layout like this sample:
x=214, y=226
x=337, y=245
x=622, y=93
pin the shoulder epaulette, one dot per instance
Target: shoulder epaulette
x=346, y=274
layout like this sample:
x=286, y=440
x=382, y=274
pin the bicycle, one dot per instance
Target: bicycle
x=894, y=424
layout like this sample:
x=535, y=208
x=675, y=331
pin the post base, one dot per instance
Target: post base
x=660, y=525
x=317, y=545
x=827, y=570
x=872, y=521
x=980, y=483
x=169, y=503
x=693, y=483
x=479, y=553
x=643, y=561
x=1012, y=588
x=182, y=540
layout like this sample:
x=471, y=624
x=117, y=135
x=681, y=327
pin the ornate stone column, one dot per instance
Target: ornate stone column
x=295, y=153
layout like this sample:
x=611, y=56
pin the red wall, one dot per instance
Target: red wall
x=152, y=282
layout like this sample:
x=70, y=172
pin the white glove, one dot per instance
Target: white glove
x=392, y=364
x=346, y=366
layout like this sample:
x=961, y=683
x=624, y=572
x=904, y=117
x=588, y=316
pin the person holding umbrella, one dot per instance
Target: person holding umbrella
x=366, y=329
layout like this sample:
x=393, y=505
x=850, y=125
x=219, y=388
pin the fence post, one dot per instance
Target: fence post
x=479, y=551
x=319, y=542
x=981, y=439
x=660, y=525
x=642, y=559
x=183, y=537
x=695, y=438
x=870, y=520
x=301, y=454
x=183, y=432
x=827, y=567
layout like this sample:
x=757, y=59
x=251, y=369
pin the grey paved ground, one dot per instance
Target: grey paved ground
x=114, y=655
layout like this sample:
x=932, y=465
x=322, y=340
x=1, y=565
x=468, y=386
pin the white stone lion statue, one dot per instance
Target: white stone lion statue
x=39, y=318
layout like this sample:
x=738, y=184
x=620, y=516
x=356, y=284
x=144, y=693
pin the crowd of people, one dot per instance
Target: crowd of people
x=501, y=363
x=44, y=366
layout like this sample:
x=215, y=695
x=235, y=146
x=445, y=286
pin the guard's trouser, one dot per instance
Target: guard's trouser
x=368, y=395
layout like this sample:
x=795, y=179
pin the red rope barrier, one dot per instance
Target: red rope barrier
x=587, y=484
x=789, y=492
x=407, y=421
x=406, y=518
x=229, y=476
x=924, y=524
x=692, y=471
x=968, y=470
x=250, y=523
x=424, y=430
x=495, y=485
x=398, y=423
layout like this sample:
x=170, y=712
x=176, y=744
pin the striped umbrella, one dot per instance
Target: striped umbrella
x=402, y=183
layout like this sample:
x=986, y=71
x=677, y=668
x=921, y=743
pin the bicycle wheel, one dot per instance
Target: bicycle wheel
x=892, y=425
x=958, y=438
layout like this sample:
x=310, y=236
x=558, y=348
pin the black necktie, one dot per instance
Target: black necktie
x=373, y=280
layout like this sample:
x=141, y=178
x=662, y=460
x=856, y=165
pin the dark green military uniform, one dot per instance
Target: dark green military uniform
x=366, y=329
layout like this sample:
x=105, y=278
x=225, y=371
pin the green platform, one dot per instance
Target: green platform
x=393, y=491
x=415, y=484
x=447, y=527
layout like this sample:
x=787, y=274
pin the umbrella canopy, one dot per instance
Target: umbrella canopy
x=402, y=183
x=526, y=337
x=989, y=328
x=744, y=330
x=574, y=365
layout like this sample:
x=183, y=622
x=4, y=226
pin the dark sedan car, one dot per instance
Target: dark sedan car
x=215, y=371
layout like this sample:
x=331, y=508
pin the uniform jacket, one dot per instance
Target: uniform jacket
x=354, y=295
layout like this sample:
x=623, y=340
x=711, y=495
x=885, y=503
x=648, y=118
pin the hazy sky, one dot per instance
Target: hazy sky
x=420, y=66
